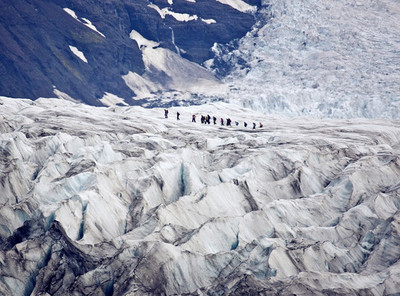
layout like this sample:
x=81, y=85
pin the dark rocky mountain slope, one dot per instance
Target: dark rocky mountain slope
x=38, y=37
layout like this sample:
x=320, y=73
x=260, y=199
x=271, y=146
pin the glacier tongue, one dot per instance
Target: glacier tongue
x=122, y=201
x=337, y=59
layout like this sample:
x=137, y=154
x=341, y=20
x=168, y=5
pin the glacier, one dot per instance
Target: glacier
x=121, y=201
x=336, y=59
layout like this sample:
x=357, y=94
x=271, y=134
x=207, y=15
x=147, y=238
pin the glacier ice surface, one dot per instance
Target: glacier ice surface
x=122, y=201
x=337, y=59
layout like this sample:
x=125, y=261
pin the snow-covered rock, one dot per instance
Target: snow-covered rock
x=121, y=201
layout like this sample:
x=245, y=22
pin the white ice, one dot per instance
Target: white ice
x=337, y=59
x=301, y=202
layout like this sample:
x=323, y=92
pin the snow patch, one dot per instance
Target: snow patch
x=91, y=26
x=78, y=53
x=141, y=41
x=63, y=96
x=111, y=100
x=239, y=5
x=180, y=74
x=71, y=13
x=86, y=22
x=209, y=21
x=181, y=17
x=143, y=88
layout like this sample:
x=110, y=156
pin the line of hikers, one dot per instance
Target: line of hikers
x=207, y=120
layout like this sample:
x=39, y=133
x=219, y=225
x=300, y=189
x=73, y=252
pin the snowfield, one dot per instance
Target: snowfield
x=121, y=201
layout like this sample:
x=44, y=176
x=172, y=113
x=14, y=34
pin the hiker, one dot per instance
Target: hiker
x=245, y=124
x=236, y=123
x=261, y=125
x=228, y=122
x=177, y=115
x=194, y=118
x=222, y=121
x=254, y=125
x=202, y=118
x=215, y=119
x=208, y=118
x=166, y=113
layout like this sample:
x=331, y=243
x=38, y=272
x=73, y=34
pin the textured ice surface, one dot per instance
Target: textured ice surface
x=335, y=59
x=120, y=200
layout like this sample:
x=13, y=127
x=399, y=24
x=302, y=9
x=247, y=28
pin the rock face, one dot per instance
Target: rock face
x=82, y=48
x=120, y=201
x=317, y=59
